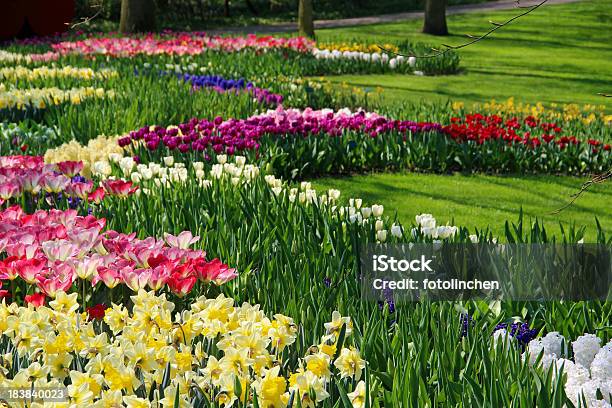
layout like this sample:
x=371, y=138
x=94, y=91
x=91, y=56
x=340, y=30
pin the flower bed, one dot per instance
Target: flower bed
x=20, y=73
x=179, y=43
x=307, y=143
x=212, y=351
x=40, y=98
x=220, y=84
x=51, y=251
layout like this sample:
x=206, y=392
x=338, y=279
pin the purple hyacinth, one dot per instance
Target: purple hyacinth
x=520, y=331
x=465, y=321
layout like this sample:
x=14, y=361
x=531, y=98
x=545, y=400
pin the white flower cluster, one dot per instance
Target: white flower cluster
x=13, y=57
x=238, y=172
x=426, y=225
x=590, y=372
x=355, y=212
x=374, y=57
x=170, y=172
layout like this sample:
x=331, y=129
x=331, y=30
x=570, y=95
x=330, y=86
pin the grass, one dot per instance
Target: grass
x=558, y=53
x=478, y=201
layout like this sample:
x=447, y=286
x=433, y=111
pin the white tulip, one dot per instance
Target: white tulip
x=366, y=212
x=377, y=210
x=426, y=220
x=379, y=225
x=396, y=231
x=446, y=231
x=146, y=174
x=221, y=159
x=240, y=161
x=136, y=177
x=114, y=157
x=101, y=168
x=381, y=235
x=334, y=194
x=169, y=161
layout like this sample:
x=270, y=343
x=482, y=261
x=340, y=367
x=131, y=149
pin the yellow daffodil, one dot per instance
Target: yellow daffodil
x=350, y=363
x=358, y=396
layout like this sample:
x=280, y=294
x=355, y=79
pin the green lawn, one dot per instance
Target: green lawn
x=480, y=201
x=558, y=53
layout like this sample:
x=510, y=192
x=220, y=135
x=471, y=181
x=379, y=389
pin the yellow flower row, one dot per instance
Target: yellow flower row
x=43, y=97
x=30, y=74
x=369, y=48
x=157, y=348
x=97, y=150
x=566, y=112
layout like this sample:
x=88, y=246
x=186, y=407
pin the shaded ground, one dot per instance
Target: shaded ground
x=383, y=18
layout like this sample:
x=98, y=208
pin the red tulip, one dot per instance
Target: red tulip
x=119, y=188
x=96, y=312
x=97, y=196
x=36, y=299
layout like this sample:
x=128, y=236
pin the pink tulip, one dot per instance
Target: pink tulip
x=159, y=276
x=53, y=248
x=183, y=240
x=84, y=239
x=70, y=168
x=28, y=269
x=109, y=276
x=20, y=250
x=55, y=183
x=59, y=250
x=9, y=190
x=87, y=267
x=80, y=189
x=30, y=182
x=8, y=268
x=135, y=279
x=59, y=278
x=225, y=275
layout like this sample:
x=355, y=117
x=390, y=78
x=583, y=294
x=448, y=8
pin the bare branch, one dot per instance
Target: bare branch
x=598, y=179
x=86, y=20
x=475, y=39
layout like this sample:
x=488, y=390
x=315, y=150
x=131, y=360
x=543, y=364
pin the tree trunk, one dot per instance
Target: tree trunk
x=435, y=17
x=137, y=15
x=305, y=21
x=226, y=8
